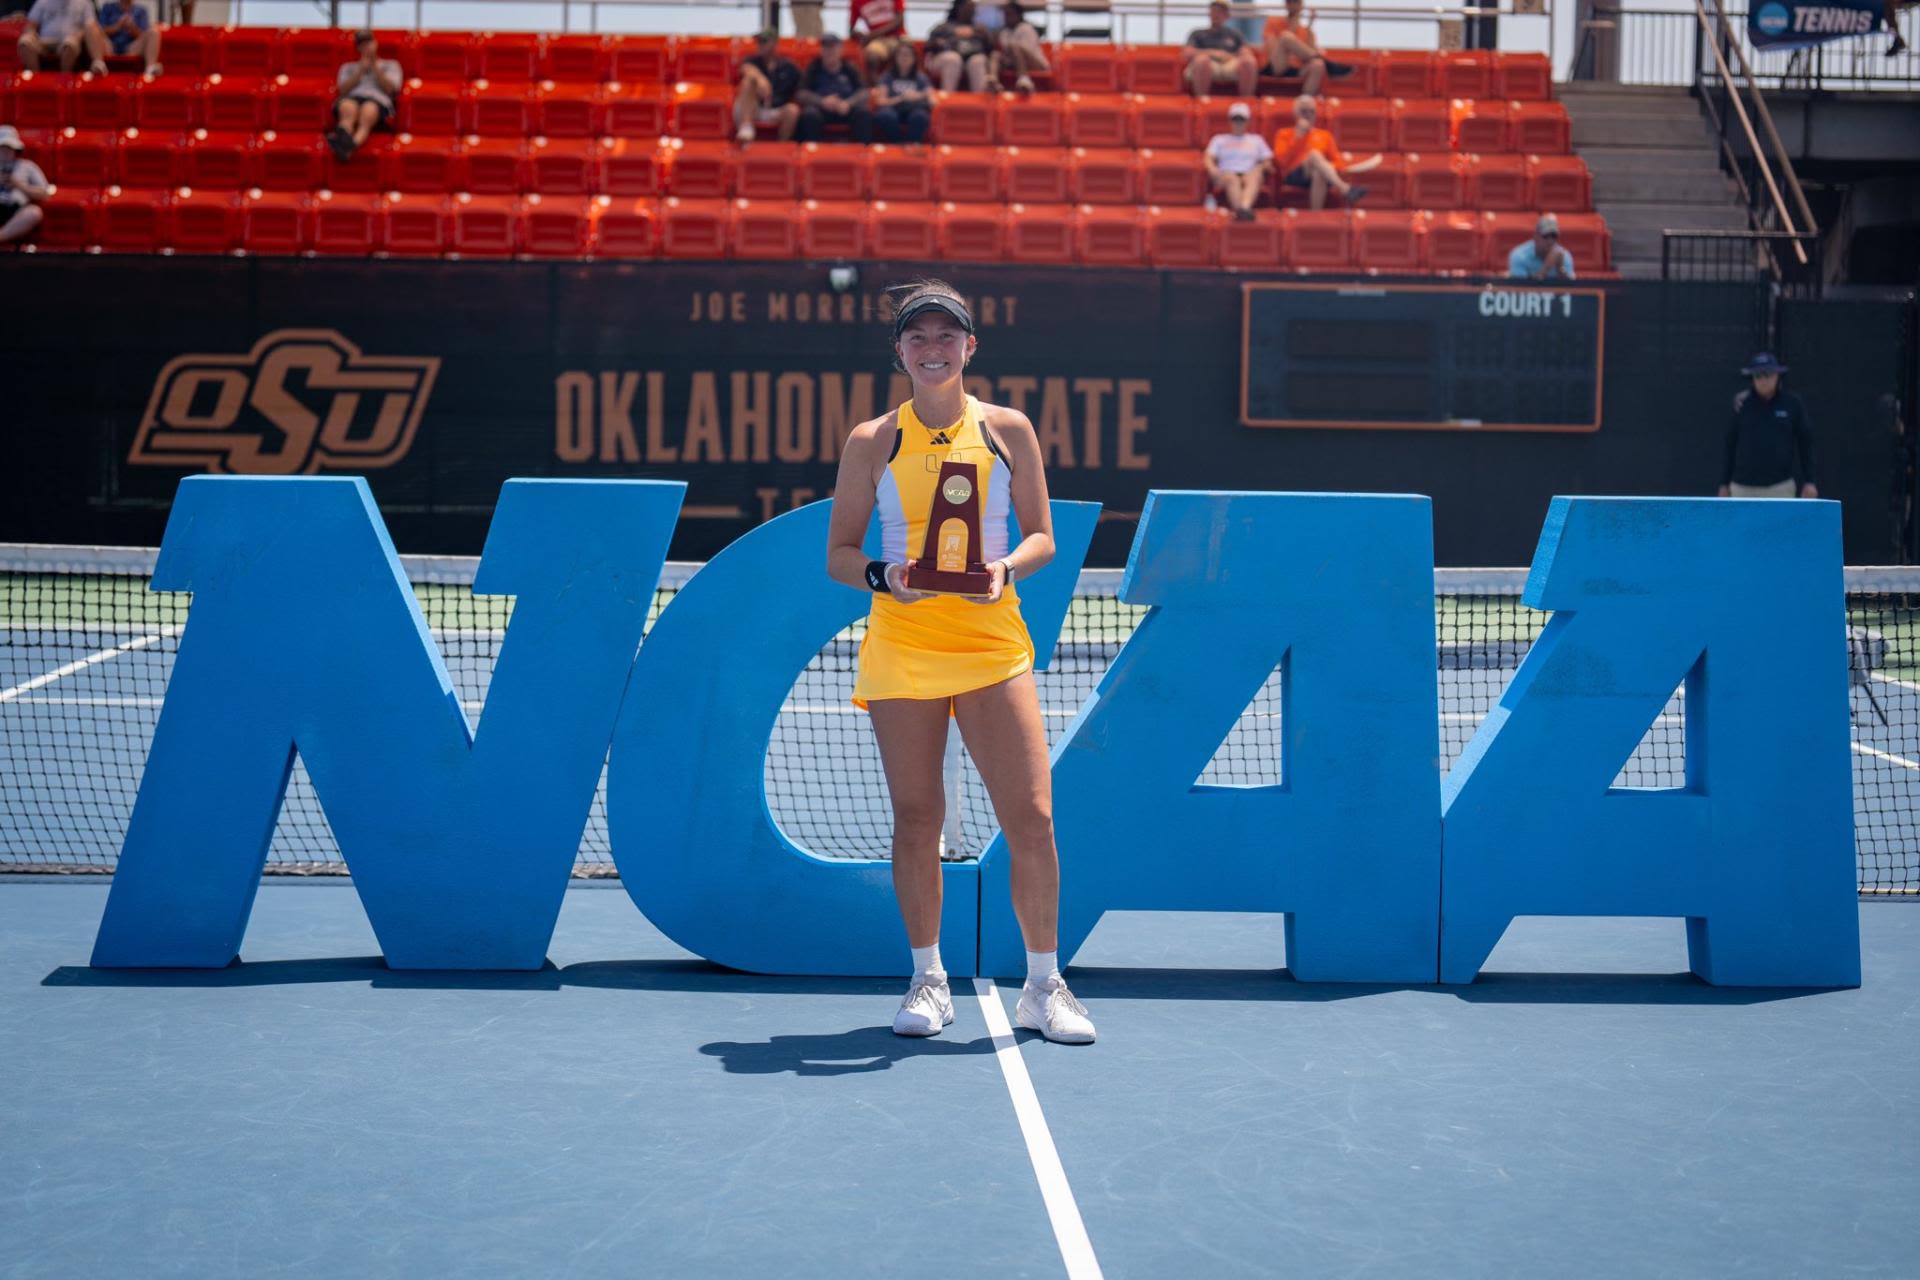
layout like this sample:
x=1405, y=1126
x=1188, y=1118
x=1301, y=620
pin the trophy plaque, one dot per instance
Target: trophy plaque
x=949, y=561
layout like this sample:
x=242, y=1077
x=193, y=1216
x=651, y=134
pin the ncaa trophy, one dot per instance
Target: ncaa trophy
x=949, y=560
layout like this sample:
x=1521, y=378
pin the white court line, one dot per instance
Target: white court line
x=40, y=682
x=1076, y=1250
x=1877, y=754
x=1904, y=684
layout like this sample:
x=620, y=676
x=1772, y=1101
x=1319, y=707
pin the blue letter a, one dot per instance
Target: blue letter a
x=304, y=635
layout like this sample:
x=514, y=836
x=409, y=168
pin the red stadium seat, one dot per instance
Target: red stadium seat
x=346, y=225
x=294, y=105
x=1464, y=73
x=1482, y=125
x=574, y=59
x=1363, y=78
x=192, y=51
x=419, y=164
x=700, y=170
x=1586, y=237
x=1387, y=183
x=1542, y=128
x=399, y=46
x=1497, y=182
x=165, y=159
x=568, y=110
x=1184, y=237
x=248, y=53
x=84, y=157
x=1256, y=244
x=1360, y=125
x=1404, y=73
x=1036, y=175
x=1040, y=233
x=1319, y=240
x=131, y=221
x=696, y=228
x=1164, y=122
x=1153, y=69
x=830, y=172
x=626, y=227
x=1106, y=175
x=490, y=166
x=1211, y=117
x=1390, y=241
x=414, y=223
x=236, y=104
x=970, y=175
x=1098, y=120
x=443, y=107
x=445, y=55
x=99, y=102
x=706, y=59
x=563, y=167
x=165, y=102
x=963, y=119
x=972, y=232
x=275, y=222
x=1109, y=236
x=501, y=109
x=901, y=172
x=631, y=59
x=360, y=172
x=67, y=220
x=635, y=110
x=1172, y=178
x=834, y=229
x=485, y=226
x=1436, y=181
x=1559, y=182
x=1527, y=76
x=1030, y=120
x=315, y=53
x=293, y=162
x=507, y=56
x=557, y=226
x=1088, y=67
x=1422, y=124
x=768, y=171
x=205, y=221
x=1455, y=242
x=40, y=99
x=632, y=167
x=906, y=231
x=700, y=111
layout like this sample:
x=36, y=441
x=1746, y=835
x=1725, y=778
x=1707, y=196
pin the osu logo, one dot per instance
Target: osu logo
x=302, y=401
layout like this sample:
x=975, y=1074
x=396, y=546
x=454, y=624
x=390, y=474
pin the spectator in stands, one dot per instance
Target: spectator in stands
x=367, y=88
x=1291, y=50
x=1309, y=157
x=62, y=30
x=1768, y=439
x=1543, y=257
x=877, y=26
x=831, y=93
x=23, y=188
x=903, y=98
x=1237, y=163
x=1017, y=41
x=958, y=46
x=807, y=22
x=129, y=30
x=768, y=83
x=1217, y=54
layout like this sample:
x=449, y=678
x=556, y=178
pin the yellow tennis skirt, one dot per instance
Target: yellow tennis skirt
x=941, y=646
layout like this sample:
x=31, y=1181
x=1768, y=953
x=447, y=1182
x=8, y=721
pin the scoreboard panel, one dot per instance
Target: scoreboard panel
x=1508, y=356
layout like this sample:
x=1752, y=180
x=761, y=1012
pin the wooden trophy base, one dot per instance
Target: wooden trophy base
x=976, y=580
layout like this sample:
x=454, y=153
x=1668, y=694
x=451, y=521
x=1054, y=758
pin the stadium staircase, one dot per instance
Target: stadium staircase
x=620, y=146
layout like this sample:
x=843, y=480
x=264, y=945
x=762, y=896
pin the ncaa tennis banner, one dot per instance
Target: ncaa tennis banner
x=1795, y=24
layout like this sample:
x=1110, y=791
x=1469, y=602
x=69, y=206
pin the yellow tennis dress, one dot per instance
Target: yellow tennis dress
x=943, y=645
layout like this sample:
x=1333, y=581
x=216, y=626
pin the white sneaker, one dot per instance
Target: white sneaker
x=744, y=134
x=1210, y=203
x=927, y=1008
x=1050, y=1009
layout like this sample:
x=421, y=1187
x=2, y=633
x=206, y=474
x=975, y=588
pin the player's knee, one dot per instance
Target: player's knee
x=917, y=817
x=1028, y=823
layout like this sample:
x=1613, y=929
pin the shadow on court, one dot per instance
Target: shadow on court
x=835, y=1054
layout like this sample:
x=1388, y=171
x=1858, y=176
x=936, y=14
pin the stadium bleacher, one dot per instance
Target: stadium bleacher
x=619, y=146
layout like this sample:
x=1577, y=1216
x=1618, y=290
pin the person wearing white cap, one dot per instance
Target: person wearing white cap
x=23, y=188
x=1543, y=257
x=63, y=29
x=1237, y=163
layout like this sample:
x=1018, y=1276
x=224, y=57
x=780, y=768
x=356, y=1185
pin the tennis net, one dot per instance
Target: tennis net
x=85, y=651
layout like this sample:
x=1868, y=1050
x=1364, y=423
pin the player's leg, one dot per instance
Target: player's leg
x=912, y=734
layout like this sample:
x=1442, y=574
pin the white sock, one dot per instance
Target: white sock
x=1042, y=965
x=926, y=960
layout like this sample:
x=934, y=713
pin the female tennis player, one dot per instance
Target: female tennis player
x=927, y=657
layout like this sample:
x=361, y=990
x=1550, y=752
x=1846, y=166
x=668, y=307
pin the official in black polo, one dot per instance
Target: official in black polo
x=1768, y=441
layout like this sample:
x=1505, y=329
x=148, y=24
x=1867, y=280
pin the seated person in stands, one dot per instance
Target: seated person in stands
x=903, y=98
x=23, y=188
x=367, y=89
x=1292, y=51
x=831, y=93
x=1237, y=163
x=957, y=46
x=62, y=30
x=768, y=83
x=130, y=31
x=1309, y=157
x=1543, y=257
x=877, y=26
x=1016, y=40
x=1217, y=54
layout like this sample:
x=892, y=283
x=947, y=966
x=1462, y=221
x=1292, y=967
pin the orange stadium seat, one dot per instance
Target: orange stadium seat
x=1036, y=175
x=1455, y=241
x=637, y=58
x=163, y=158
x=1363, y=81
x=1110, y=236
x=205, y=221
x=40, y=99
x=1171, y=177
x=250, y=53
x=972, y=232
x=834, y=229
x=970, y=175
x=445, y=55
x=1152, y=69
x=1088, y=68
x=632, y=167
x=1390, y=241
x=769, y=171
x=700, y=110
x=507, y=55
x=98, y=102
x=963, y=119
x=436, y=107
x=67, y=222
x=1497, y=182
x=236, y=103
x=904, y=231
x=901, y=172
x=1163, y=121
x=1436, y=181
x=1210, y=117
x=346, y=224
x=362, y=172
x=486, y=226
x=419, y=164
x=1558, y=182
x=1387, y=183
x=1102, y=175
x=1527, y=76
x=706, y=59
x=1031, y=120
x=192, y=51
x=1040, y=233
x=490, y=166
x=1404, y=73
x=1098, y=120
x=1586, y=237
x=765, y=229
x=131, y=220
x=294, y=162
x=557, y=226
x=1464, y=73
x=626, y=227
x=277, y=222
x=1482, y=124
x=636, y=110
x=700, y=170
x=293, y=105
x=414, y=223
x=695, y=228
x=309, y=53
x=1360, y=125
x=1422, y=124
x=1252, y=244
x=563, y=166
x=1318, y=239
x=1500, y=232
x=568, y=110
x=1182, y=237
x=575, y=59
x=501, y=109
x=834, y=172
x=1542, y=128
x=84, y=157
x=165, y=102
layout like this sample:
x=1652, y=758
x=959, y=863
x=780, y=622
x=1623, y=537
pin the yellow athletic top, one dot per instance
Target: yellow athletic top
x=943, y=645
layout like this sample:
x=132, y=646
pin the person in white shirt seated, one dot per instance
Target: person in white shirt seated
x=23, y=188
x=1237, y=163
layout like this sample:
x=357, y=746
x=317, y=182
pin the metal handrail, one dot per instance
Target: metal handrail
x=1746, y=125
x=1766, y=121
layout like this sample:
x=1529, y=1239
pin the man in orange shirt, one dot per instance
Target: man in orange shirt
x=1310, y=158
x=1292, y=50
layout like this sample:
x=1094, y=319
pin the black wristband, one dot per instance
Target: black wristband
x=877, y=576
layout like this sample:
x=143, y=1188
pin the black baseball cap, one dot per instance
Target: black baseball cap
x=923, y=302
